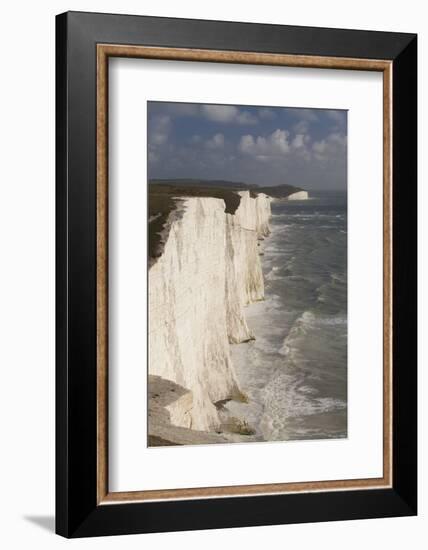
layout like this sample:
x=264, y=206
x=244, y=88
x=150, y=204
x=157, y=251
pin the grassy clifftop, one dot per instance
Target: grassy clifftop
x=163, y=195
x=163, y=200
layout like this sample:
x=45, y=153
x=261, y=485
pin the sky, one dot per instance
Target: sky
x=250, y=144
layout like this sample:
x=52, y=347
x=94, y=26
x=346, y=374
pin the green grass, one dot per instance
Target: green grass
x=160, y=206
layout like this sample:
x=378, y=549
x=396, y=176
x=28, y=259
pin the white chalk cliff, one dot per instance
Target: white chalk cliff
x=297, y=196
x=208, y=272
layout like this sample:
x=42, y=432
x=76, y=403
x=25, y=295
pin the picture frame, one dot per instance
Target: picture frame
x=84, y=44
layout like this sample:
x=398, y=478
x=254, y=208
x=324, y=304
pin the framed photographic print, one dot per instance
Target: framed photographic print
x=236, y=274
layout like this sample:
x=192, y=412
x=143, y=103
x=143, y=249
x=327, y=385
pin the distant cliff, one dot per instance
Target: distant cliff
x=298, y=196
x=208, y=270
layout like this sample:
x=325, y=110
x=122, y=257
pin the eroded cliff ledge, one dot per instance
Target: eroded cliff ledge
x=164, y=393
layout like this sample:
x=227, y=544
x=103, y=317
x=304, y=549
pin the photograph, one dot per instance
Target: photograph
x=247, y=273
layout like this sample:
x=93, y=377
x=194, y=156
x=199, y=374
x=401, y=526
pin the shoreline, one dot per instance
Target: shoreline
x=230, y=415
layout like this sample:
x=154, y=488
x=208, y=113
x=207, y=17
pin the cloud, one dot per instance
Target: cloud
x=325, y=119
x=223, y=114
x=245, y=117
x=330, y=148
x=258, y=145
x=216, y=142
x=158, y=136
x=304, y=117
x=227, y=114
x=160, y=127
x=220, y=113
x=301, y=127
x=263, y=148
x=299, y=141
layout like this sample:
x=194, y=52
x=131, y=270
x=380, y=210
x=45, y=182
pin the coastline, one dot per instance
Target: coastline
x=209, y=403
x=209, y=271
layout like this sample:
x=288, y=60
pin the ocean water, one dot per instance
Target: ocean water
x=295, y=372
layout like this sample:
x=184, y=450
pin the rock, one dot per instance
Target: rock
x=163, y=396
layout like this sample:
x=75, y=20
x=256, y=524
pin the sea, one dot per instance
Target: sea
x=295, y=371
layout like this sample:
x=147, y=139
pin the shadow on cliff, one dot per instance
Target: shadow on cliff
x=163, y=392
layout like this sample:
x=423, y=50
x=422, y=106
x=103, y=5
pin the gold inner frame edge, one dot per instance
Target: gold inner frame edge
x=104, y=51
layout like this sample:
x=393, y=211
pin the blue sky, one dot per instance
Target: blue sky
x=251, y=144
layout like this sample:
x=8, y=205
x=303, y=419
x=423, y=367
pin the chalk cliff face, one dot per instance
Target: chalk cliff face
x=298, y=196
x=209, y=270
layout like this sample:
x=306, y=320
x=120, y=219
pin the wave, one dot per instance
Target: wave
x=332, y=296
x=295, y=371
x=272, y=275
x=288, y=397
x=306, y=321
x=298, y=329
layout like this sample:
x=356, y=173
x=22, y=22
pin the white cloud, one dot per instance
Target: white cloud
x=263, y=148
x=216, y=142
x=330, y=147
x=337, y=139
x=279, y=141
x=227, y=114
x=219, y=113
x=245, y=117
x=159, y=129
x=299, y=141
x=304, y=117
x=247, y=145
x=320, y=146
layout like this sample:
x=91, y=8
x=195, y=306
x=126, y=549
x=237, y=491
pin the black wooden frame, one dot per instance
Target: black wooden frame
x=77, y=513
